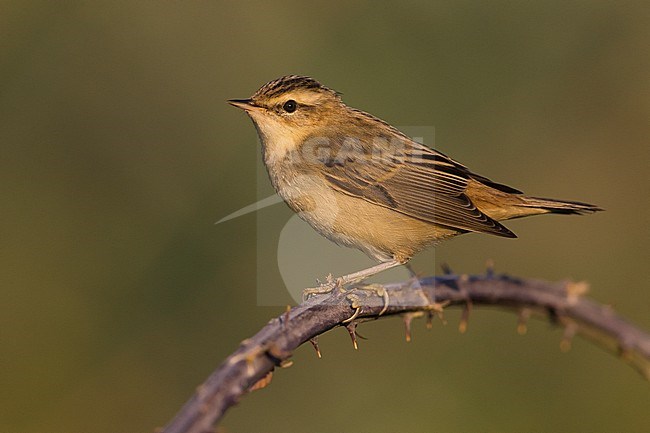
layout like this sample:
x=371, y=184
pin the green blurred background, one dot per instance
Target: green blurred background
x=118, y=154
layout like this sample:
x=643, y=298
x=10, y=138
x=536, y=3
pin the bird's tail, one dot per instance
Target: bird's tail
x=549, y=205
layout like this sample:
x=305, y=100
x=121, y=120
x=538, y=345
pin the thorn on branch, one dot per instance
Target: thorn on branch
x=407, y=327
x=489, y=267
x=248, y=356
x=575, y=290
x=407, y=318
x=446, y=269
x=314, y=343
x=437, y=309
x=522, y=321
x=464, y=317
x=569, y=332
x=352, y=330
x=429, y=319
x=262, y=383
x=285, y=316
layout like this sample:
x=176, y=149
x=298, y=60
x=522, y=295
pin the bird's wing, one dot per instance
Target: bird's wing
x=409, y=178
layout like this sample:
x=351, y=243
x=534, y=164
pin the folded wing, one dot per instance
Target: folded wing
x=412, y=179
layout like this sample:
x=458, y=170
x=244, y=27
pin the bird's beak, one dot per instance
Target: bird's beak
x=244, y=104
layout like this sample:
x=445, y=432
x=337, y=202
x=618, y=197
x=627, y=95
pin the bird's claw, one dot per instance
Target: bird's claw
x=356, y=304
x=328, y=286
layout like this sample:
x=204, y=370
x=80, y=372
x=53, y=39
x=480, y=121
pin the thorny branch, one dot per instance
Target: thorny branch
x=561, y=302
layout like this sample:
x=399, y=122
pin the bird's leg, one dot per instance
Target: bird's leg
x=354, y=277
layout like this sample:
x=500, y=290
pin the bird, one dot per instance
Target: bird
x=362, y=183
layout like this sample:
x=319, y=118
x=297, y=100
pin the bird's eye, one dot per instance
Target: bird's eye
x=290, y=106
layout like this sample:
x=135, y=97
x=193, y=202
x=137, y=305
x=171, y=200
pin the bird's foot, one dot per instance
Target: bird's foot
x=355, y=299
x=325, y=288
x=331, y=284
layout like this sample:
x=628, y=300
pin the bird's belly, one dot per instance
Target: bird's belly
x=380, y=232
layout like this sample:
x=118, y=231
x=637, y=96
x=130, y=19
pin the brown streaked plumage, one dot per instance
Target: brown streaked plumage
x=362, y=183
